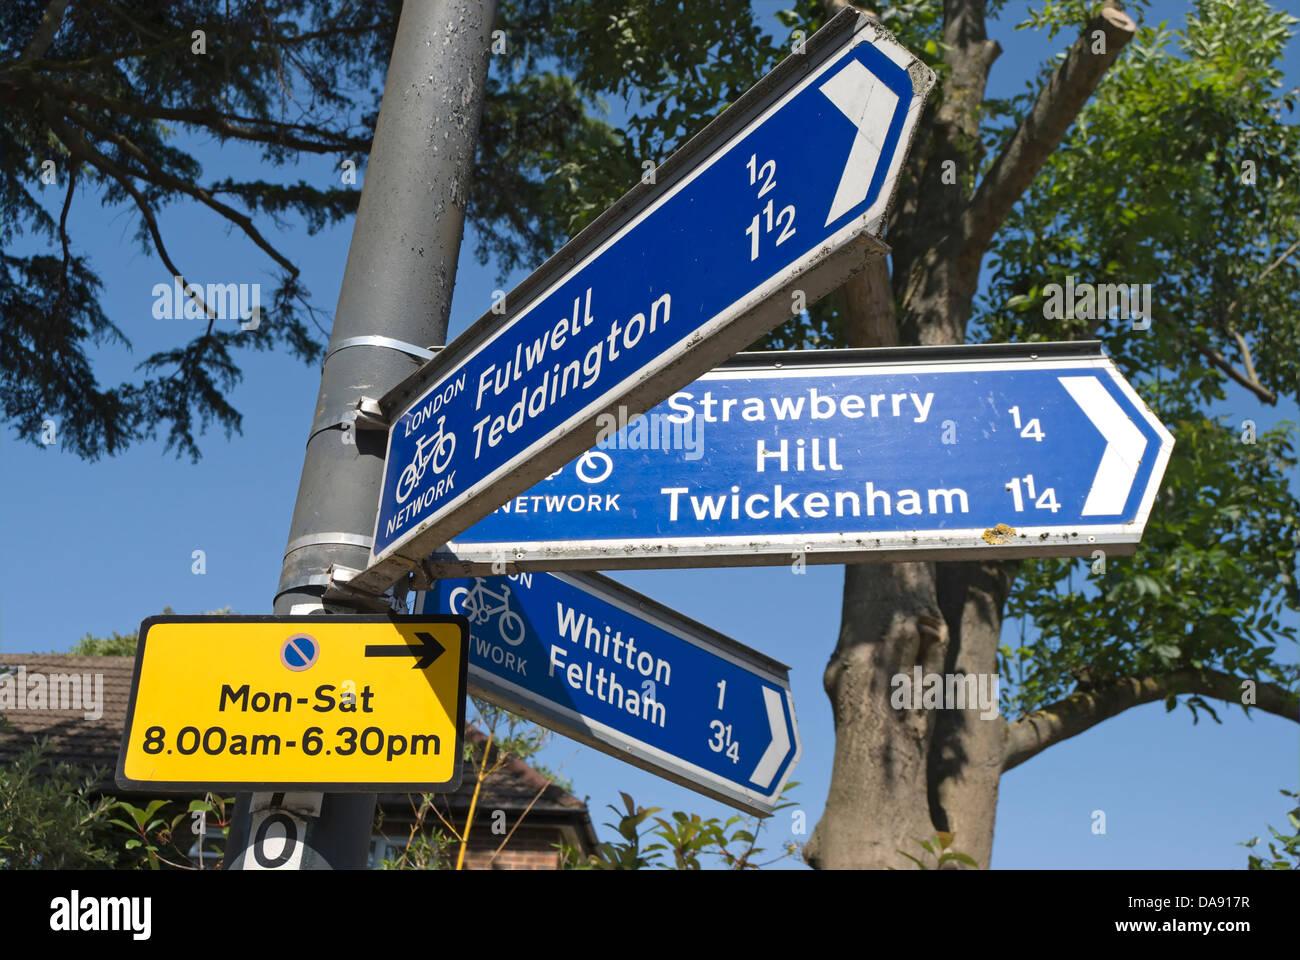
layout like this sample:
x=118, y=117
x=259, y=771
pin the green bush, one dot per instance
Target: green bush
x=51, y=817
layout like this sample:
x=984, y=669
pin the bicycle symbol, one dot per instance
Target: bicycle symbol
x=590, y=457
x=476, y=604
x=441, y=445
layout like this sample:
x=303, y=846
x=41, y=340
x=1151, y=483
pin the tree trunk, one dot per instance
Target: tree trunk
x=900, y=775
x=879, y=784
x=884, y=793
x=966, y=757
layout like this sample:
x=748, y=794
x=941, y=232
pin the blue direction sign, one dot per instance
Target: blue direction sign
x=598, y=662
x=775, y=204
x=850, y=456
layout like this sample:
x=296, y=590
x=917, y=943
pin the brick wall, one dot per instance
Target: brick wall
x=532, y=850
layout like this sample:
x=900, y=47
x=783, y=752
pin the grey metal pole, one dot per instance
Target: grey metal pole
x=394, y=302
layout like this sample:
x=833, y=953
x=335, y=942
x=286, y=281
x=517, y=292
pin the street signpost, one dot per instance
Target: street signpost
x=598, y=662
x=773, y=205
x=839, y=456
x=338, y=703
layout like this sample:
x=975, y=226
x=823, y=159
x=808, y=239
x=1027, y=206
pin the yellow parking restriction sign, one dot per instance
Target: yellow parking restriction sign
x=339, y=703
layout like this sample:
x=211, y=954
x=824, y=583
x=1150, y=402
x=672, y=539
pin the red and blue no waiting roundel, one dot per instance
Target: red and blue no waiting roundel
x=299, y=652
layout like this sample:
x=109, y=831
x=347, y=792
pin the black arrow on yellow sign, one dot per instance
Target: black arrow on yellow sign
x=428, y=651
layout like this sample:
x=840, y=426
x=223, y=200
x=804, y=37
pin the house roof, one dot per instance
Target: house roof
x=72, y=738
x=90, y=743
x=514, y=786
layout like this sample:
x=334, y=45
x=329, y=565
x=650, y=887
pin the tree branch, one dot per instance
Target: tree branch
x=278, y=133
x=1043, y=127
x=1080, y=711
x=161, y=177
x=1267, y=270
x=107, y=59
x=63, y=237
x=278, y=39
x=1245, y=356
x=1251, y=381
x=80, y=148
x=139, y=28
x=1224, y=364
x=46, y=30
x=286, y=39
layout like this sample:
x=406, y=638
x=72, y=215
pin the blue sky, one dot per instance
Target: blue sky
x=97, y=547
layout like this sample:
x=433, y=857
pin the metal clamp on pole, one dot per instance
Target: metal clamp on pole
x=339, y=590
x=370, y=416
x=420, y=577
x=314, y=539
x=363, y=413
x=383, y=343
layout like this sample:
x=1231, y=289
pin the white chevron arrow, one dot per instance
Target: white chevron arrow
x=780, y=745
x=870, y=105
x=1124, y=446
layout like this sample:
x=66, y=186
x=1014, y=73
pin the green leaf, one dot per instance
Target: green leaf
x=913, y=859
